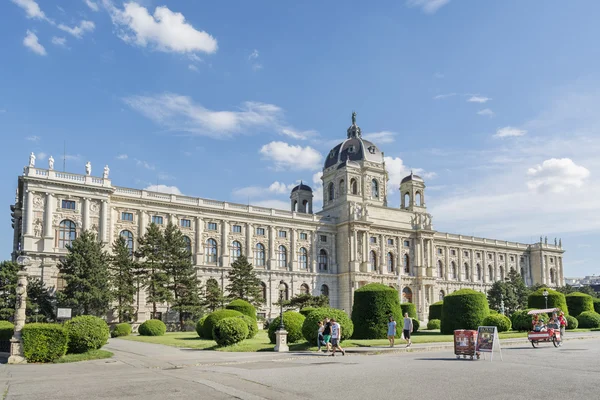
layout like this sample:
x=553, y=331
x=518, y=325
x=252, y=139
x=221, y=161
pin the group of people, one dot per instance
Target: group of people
x=407, y=328
x=330, y=336
x=557, y=321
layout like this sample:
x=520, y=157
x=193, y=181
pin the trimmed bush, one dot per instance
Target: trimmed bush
x=86, y=333
x=252, y=325
x=416, y=325
x=502, y=322
x=307, y=310
x=463, y=309
x=123, y=329
x=44, y=342
x=492, y=312
x=572, y=322
x=556, y=299
x=293, y=322
x=214, y=317
x=435, y=310
x=7, y=329
x=521, y=321
x=596, y=304
x=589, y=319
x=152, y=327
x=228, y=331
x=373, y=305
x=199, y=329
x=409, y=308
x=434, y=324
x=579, y=302
x=242, y=306
x=311, y=323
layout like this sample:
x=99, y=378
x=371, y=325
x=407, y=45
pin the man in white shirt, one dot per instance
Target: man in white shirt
x=336, y=336
x=408, y=327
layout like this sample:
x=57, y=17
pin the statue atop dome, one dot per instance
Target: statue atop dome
x=354, y=130
x=353, y=117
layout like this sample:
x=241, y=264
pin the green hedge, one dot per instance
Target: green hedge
x=463, y=309
x=556, y=299
x=435, y=310
x=311, y=323
x=521, y=321
x=434, y=324
x=589, y=319
x=228, y=331
x=572, y=323
x=373, y=305
x=152, y=327
x=596, y=304
x=123, y=329
x=7, y=329
x=252, y=325
x=214, y=317
x=409, y=308
x=307, y=310
x=293, y=322
x=502, y=322
x=579, y=302
x=416, y=325
x=86, y=333
x=242, y=306
x=199, y=329
x=44, y=342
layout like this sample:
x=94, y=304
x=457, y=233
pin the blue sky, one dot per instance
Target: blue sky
x=494, y=103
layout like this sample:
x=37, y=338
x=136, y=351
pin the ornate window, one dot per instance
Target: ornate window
x=263, y=291
x=185, y=223
x=552, y=276
x=68, y=204
x=212, y=226
x=282, y=257
x=406, y=263
x=128, y=236
x=304, y=289
x=322, y=260
x=61, y=283
x=373, y=260
x=342, y=187
x=282, y=234
x=236, y=228
x=67, y=232
x=126, y=216
x=325, y=290
x=259, y=255
x=303, y=258
x=330, y=191
x=211, y=251
x=441, y=295
x=407, y=295
x=354, y=185
x=303, y=236
x=236, y=250
x=440, y=269
x=157, y=219
x=418, y=199
x=453, y=270
x=467, y=276
x=390, y=262
x=491, y=273
x=286, y=292
x=260, y=231
x=479, y=272
x=374, y=189
x=501, y=273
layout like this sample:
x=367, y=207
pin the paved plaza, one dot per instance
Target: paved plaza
x=145, y=371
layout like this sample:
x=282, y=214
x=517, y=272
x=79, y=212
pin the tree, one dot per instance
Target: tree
x=85, y=270
x=513, y=293
x=8, y=287
x=40, y=305
x=152, y=276
x=243, y=282
x=122, y=276
x=182, y=282
x=213, y=296
x=305, y=300
x=587, y=289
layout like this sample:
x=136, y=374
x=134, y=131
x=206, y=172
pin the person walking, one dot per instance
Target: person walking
x=391, y=333
x=408, y=327
x=320, y=339
x=336, y=337
x=563, y=325
x=327, y=333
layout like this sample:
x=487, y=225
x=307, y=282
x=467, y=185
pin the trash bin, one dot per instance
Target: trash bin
x=464, y=343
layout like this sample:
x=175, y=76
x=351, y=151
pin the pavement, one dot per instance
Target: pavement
x=147, y=371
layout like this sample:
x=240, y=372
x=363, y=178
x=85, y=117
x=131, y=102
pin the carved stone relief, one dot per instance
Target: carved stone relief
x=38, y=202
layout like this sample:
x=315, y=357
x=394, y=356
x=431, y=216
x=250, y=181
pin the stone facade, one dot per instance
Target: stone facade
x=356, y=239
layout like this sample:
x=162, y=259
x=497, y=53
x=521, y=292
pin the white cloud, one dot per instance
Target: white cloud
x=444, y=96
x=486, y=112
x=428, y=6
x=31, y=41
x=41, y=156
x=144, y=164
x=556, y=176
x=286, y=156
x=33, y=138
x=509, y=131
x=296, y=134
x=254, y=55
x=78, y=31
x=163, y=189
x=192, y=67
x=122, y=157
x=32, y=9
x=273, y=203
x=252, y=58
x=193, y=57
x=93, y=6
x=59, y=41
x=72, y=157
x=381, y=137
x=397, y=170
x=478, y=99
x=278, y=188
x=165, y=31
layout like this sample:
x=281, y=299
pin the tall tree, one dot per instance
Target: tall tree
x=8, y=287
x=182, y=283
x=301, y=301
x=85, y=270
x=40, y=304
x=213, y=296
x=122, y=276
x=512, y=293
x=243, y=282
x=152, y=275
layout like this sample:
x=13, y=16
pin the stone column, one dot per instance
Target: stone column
x=314, y=250
x=48, y=228
x=447, y=263
x=334, y=266
x=103, y=234
x=85, y=214
x=249, y=249
x=473, y=267
x=272, y=263
x=199, y=247
x=460, y=265
x=142, y=223
x=293, y=265
x=29, y=213
x=224, y=244
x=383, y=255
x=366, y=248
x=16, y=343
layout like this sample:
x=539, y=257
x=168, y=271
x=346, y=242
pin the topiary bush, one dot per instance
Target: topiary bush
x=152, y=327
x=579, y=302
x=596, y=304
x=123, y=329
x=521, y=321
x=463, y=309
x=409, y=308
x=556, y=299
x=242, y=306
x=86, y=333
x=435, y=310
x=7, y=329
x=311, y=323
x=502, y=322
x=293, y=322
x=252, y=325
x=373, y=305
x=199, y=326
x=416, y=325
x=228, y=331
x=589, y=319
x=44, y=342
x=572, y=323
x=433, y=324
x=212, y=319
x=307, y=310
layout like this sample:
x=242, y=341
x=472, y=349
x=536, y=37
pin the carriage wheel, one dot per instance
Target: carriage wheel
x=554, y=341
x=534, y=343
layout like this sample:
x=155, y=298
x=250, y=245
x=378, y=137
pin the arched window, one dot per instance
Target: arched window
x=440, y=269
x=295, y=206
x=479, y=272
x=281, y=257
x=259, y=255
x=501, y=274
x=406, y=199
x=236, y=250
x=441, y=295
x=354, y=185
x=303, y=258
x=552, y=276
x=374, y=189
x=407, y=295
x=373, y=260
x=467, y=275
x=263, y=291
x=342, y=187
x=523, y=273
x=304, y=289
x=418, y=199
x=491, y=273
x=286, y=292
x=325, y=290
x=188, y=245
x=454, y=272
x=128, y=236
x=406, y=263
x=330, y=191
x=67, y=232
x=390, y=262
x=322, y=260
x=211, y=251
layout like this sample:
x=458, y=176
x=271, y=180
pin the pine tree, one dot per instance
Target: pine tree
x=85, y=270
x=8, y=287
x=213, y=297
x=122, y=274
x=152, y=275
x=244, y=284
x=40, y=305
x=183, y=283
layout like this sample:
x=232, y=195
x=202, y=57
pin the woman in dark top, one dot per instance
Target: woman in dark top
x=327, y=333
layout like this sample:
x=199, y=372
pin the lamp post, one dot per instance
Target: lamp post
x=281, y=292
x=16, y=343
x=545, y=294
x=281, y=334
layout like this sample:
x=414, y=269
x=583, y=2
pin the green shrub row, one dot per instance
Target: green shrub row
x=578, y=303
x=589, y=320
x=434, y=324
x=7, y=330
x=86, y=333
x=596, y=304
x=435, y=310
x=536, y=300
x=44, y=342
x=502, y=322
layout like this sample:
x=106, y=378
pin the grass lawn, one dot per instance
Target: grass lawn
x=90, y=355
